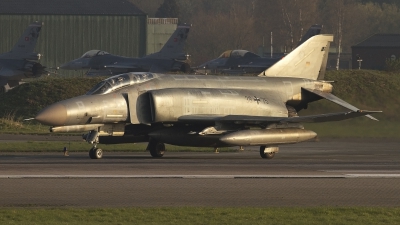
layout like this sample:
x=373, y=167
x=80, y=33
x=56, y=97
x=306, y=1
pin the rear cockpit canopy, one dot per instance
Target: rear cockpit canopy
x=119, y=81
x=238, y=54
x=92, y=53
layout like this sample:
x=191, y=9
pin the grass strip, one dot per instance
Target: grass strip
x=357, y=128
x=201, y=215
x=81, y=146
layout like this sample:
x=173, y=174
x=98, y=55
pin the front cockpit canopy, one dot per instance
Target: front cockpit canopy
x=238, y=54
x=119, y=81
x=91, y=53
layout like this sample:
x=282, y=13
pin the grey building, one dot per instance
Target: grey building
x=375, y=50
x=72, y=27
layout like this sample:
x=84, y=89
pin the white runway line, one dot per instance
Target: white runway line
x=362, y=171
x=382, y=175
x=203, y=176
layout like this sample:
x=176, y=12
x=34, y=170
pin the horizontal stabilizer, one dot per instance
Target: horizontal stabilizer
x=333, y=98
x=266, y=119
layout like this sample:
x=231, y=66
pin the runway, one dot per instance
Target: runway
x=324, y=173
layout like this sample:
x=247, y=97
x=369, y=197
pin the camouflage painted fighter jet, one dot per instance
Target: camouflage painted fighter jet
x=207, y=111
x=243, y=61
x=21, y=62
x=170, y=58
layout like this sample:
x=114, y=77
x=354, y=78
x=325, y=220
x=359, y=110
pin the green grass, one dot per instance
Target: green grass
x=75, y=146
x=26, y=100
x=201, y=215
x=12, y=126
x=356, y=128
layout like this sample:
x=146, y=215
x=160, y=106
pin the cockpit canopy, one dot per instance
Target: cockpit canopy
x=238, y=54
x=92, y=53
x=119, y=81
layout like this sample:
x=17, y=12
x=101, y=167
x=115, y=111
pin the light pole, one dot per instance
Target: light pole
x=359, y=60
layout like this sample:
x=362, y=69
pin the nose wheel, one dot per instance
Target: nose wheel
x=95, y=153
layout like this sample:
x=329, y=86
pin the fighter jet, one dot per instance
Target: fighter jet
x=170, y=58
x=243, y=61
x=207, y=111
x=21, y=62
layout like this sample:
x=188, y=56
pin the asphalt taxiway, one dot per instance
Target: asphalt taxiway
x=325, y=173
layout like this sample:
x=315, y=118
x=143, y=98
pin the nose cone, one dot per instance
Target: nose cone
x=68, y=66
x=54, y=115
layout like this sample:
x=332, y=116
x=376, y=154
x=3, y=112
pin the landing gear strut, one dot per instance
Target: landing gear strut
x=93, y=138
x=156, y=149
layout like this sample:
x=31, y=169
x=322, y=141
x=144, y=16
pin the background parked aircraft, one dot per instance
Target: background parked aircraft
x=21, y=62
x=243, y=61
x=170, y=58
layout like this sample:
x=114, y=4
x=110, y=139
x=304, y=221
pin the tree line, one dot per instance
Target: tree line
x=247, y=24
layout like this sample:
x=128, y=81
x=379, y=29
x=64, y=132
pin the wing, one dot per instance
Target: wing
x=157, y=69
x=121, y=66
x=254, y=66
x=266, y=119
x=6, y=71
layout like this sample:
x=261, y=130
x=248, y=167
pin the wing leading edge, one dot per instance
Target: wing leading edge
x=266, y=119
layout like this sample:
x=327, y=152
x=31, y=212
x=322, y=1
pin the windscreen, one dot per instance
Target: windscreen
x=90, y=54
x=225, y=54
x=119, y=81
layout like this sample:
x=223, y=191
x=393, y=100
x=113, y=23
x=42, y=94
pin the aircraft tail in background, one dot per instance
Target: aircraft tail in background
x=174, y=47
x=26, y=44
x=314, y=30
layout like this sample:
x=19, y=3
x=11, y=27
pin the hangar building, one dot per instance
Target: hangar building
x=72, y=27
x=375, y=50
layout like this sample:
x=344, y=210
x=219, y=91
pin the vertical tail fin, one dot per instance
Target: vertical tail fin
x=173, y=48
x=305, y=61
x=27, y=42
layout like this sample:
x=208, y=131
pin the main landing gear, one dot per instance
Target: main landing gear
x=157, y=149
x=268, y=152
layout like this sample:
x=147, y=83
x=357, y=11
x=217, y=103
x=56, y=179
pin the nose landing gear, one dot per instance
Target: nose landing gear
x=93, y=138
x=95, y=153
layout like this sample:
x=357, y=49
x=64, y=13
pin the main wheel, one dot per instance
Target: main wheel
x=185, y=68
x=157, y=150
x=91, y=153
x=95, y=153
x=266, y=155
